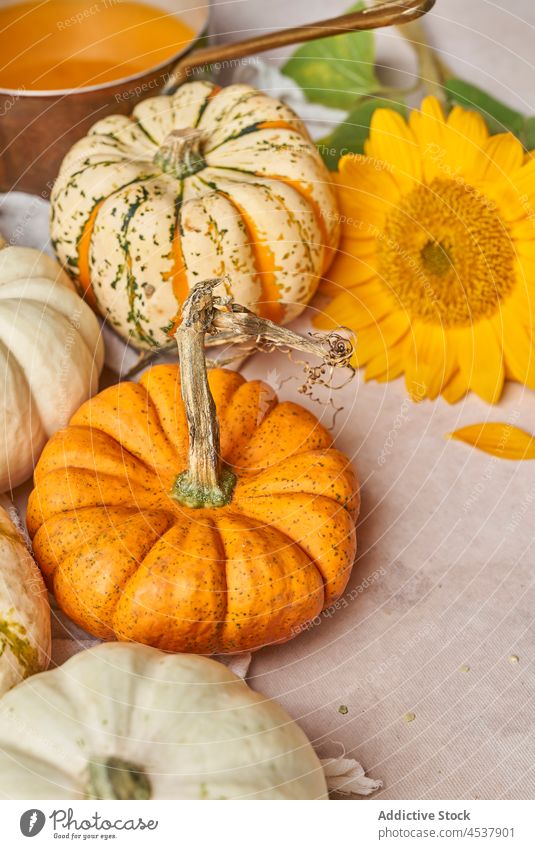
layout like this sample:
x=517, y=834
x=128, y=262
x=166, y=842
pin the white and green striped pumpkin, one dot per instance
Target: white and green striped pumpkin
x=199, y=184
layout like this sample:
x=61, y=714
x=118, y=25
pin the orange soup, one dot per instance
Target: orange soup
x=59, y=44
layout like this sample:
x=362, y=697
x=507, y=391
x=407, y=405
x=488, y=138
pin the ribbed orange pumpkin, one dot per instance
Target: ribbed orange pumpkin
x=125, y=559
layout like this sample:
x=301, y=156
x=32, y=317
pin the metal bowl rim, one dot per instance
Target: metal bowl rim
x=121, y=81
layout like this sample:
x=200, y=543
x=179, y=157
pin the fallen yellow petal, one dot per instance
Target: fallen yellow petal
x=499, y=439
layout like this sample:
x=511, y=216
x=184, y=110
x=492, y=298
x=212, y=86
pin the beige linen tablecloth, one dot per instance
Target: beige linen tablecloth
x=445, y=630
x=425, y=671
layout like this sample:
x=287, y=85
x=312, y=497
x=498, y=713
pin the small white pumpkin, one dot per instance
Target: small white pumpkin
x=24, y=608
x=126, y=721
x=51, y=355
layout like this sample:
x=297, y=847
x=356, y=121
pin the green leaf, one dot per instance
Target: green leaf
x=335, y=71
x=350, y=135
x=498, y=116
x=529, y=134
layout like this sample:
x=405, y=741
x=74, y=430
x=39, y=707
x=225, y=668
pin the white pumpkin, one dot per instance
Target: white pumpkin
x=51, y=355
x=205, y=182
x=126, y=721
x=24, y=608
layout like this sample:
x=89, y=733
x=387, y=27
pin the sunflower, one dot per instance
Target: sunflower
x=436, y=266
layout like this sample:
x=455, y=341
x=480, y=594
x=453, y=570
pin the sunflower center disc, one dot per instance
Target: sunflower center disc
x=446, y=254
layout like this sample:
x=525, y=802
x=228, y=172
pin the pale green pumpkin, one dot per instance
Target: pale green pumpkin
x=125, y=721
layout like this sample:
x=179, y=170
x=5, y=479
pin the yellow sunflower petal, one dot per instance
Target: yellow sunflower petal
x=357, y=170
x=359, y=247
x=526, y=272
x=499, y=439
x=349, y=270
x=500, y=156
x=515, y=195
x=366, y=193
x=456, y=388
x=480, y=360
x=340, y=309
x=427, y=367
x=394, y=371
x=387, y=365
x=520, y=306
x=391, y=140
x=519, y=350
x=523, y=230
x=467, y=134
x=324, y=321
x=362, y=214
x=349, y=310
x=429, y=128
x=524, y=182
x=380, y=337
x=525, y=248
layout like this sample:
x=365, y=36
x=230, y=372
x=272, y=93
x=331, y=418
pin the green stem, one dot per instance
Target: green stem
x=432, y=70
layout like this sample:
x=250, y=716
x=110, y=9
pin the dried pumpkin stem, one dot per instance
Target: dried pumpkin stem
x=240, y=325
x=181, y=153
x=206, y=482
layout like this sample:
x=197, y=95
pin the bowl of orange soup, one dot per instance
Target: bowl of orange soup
x=67, y=63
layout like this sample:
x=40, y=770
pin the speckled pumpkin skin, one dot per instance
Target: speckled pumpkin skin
x=260, y=207
x=127, y=561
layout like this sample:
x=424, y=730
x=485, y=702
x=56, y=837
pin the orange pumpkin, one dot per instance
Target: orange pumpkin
x=127, y=558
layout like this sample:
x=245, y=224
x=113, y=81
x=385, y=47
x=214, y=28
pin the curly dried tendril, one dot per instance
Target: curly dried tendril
x=337, y=353
x=338, y=349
